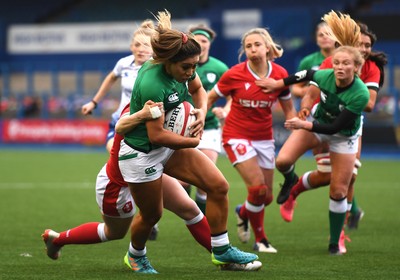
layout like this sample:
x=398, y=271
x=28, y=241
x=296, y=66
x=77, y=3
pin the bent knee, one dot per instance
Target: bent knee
x=218, y=186
x=283, y=163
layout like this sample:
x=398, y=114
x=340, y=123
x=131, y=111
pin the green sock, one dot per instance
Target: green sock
x=202, y=205
x=289, y=175
x=354, y=207
x=220, y=249
x=188, y=189
x=336, y=222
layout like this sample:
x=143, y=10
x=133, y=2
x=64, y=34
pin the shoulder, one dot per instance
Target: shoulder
x=327, y=63
x=278, y=70
x=236, y=69
x=218, y=62
x=310, y=56
x=370, y=66
x=323, y=75
x=126, y=60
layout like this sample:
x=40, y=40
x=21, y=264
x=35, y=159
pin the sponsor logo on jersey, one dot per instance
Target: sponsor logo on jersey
x=247, y=86
x=211, y=77
x=255, y=103
x=173, y=98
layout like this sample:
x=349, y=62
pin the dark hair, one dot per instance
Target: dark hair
x=365, y=31
x=379, y=58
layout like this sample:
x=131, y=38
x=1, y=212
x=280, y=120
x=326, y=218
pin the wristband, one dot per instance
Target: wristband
x=95, y=103
x=155, y=112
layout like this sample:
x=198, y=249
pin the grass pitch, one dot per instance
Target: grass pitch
x=55, y=189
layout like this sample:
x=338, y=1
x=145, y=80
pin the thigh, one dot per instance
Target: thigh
x=298, y=142
x=117, y=227
x=192, y=166
x=342, y=170
x=251, y=172
x=177, y=200
x=148, y=196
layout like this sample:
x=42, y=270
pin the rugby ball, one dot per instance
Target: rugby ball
x=179, y=119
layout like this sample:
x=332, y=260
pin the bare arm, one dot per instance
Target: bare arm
x=308, y=101
x=160, y=136
x=372, y=100
x=288, y=108
x=149, y=111
x=199, y=96
x=299, y=90
x=104, y=88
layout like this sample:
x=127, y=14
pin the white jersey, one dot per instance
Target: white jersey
x=127, y=71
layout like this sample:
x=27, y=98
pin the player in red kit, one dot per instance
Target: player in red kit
x=247, y=134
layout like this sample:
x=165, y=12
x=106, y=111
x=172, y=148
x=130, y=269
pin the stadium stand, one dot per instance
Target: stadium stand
x=72, y=78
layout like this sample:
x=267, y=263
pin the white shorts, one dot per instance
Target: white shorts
x=340, y=144
x=113, y=199
x=239, y=150
x=211, y=140
x=139, y=167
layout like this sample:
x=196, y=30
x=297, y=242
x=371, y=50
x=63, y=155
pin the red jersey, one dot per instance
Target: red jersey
x=370, y=73
x=112, y=168
x=250, y=116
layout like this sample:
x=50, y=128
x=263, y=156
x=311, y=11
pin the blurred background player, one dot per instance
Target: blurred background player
x=247, y=132
x=126, y=69
x=209, y=70
x=312, y=61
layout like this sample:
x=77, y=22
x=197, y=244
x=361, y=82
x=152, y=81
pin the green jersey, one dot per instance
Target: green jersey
x=153, y=83
x=311, y=61
x=334, y=100
x=209, y=73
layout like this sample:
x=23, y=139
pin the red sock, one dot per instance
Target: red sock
x=83, y=234
x=298, y=188
x=257, y=224
x=202, y=233
x=243, y=212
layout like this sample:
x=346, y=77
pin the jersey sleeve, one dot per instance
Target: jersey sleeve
x=223, y=86
x=372, y=75
x=360, y=99
x=118, y=68
x=302, y=64
x=326, y=64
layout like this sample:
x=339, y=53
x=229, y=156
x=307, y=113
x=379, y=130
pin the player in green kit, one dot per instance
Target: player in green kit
x=149, y=150
x=314, y=60
x=336, y=120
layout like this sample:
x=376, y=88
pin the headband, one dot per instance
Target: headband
x=202, y=32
